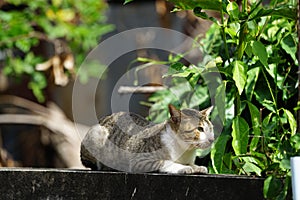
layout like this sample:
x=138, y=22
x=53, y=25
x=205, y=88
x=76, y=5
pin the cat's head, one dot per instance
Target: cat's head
x=192, y=126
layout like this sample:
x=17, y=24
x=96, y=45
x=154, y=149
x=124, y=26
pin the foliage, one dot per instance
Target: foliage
x=63, y=27
x=254, y=47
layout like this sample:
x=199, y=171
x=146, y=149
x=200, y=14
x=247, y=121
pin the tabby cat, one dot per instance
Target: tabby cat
x=128, y=142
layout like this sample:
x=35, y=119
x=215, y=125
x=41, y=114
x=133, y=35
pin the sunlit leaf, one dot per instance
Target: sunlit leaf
x=233, y=10
x=24, y=44
x=250, y=168
x=260, y=51
x=66, y=15
x=292, y=121
x=127, y=1
x=289, y=45
x=285, y=164
x=240, y=133
x=295, y=141
x=239, y=75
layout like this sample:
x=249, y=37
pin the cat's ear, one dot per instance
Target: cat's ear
x=175, y=114
x=206, y=112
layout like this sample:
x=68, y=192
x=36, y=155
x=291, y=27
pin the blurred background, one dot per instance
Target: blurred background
x=42, y=44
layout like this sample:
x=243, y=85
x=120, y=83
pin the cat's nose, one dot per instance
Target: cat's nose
x=211, y=140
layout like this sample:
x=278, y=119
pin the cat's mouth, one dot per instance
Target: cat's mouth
x=204, y=145
x=200, y=145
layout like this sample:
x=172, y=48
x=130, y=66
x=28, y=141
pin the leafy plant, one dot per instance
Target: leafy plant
x=66, y=28
x=253, y=46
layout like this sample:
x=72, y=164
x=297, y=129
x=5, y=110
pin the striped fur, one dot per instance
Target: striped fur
x=128, y=142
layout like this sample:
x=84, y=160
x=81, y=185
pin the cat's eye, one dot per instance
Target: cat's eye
x=200, y=129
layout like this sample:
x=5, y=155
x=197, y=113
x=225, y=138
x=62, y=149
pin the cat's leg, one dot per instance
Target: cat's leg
x=141, y=163
x=176, y=168
x=93, y=141
x=97, y=135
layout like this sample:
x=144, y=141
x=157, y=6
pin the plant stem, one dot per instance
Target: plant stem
x=237, y=104
x=274, y=98
x=224, y=35
x=266, y=23
x=244, y=5
x=270, y=89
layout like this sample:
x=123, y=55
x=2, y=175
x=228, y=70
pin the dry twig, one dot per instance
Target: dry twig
x=53, y=118
x=139, y=89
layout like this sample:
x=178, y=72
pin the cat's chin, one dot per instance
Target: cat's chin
x=202, y=145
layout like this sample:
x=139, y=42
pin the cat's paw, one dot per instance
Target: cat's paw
x=200, y=169
x=195, y=169
x=186, y=170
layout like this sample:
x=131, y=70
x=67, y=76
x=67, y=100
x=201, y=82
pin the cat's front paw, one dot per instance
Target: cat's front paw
x=186, y=170
x=195, y=169
x=200, y=169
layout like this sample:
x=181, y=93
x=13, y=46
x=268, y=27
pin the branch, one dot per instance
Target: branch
x=53, y=118
x=139, y=89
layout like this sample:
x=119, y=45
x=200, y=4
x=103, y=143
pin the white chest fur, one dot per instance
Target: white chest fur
x=178, y=150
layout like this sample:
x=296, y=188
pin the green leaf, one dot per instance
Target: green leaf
x=255, y=120
x=220, y=100
x=252, y=77
x=239, y=75
x=260, y=51
x=289, y=45
x=181, y=90
x=292, y=121
x=290, y=13
x=193, y=79
x=240, y=133
x=127, y=1
x=218, y=151
x=204, y=4
x=278, y=79
x=268, y=125
x=37, y=91
x=40, y=79
x=24, y=44
x=184, y=74
x=233, y=10
x=177, y=66
x=199, y=96
x=285, y=164
x=174, y=69
x=248, y=50
x=249, y=167
x=272, y=187
x=198, y=13
x=295, y=142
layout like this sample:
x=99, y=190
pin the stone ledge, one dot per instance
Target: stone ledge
x=27, y=183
